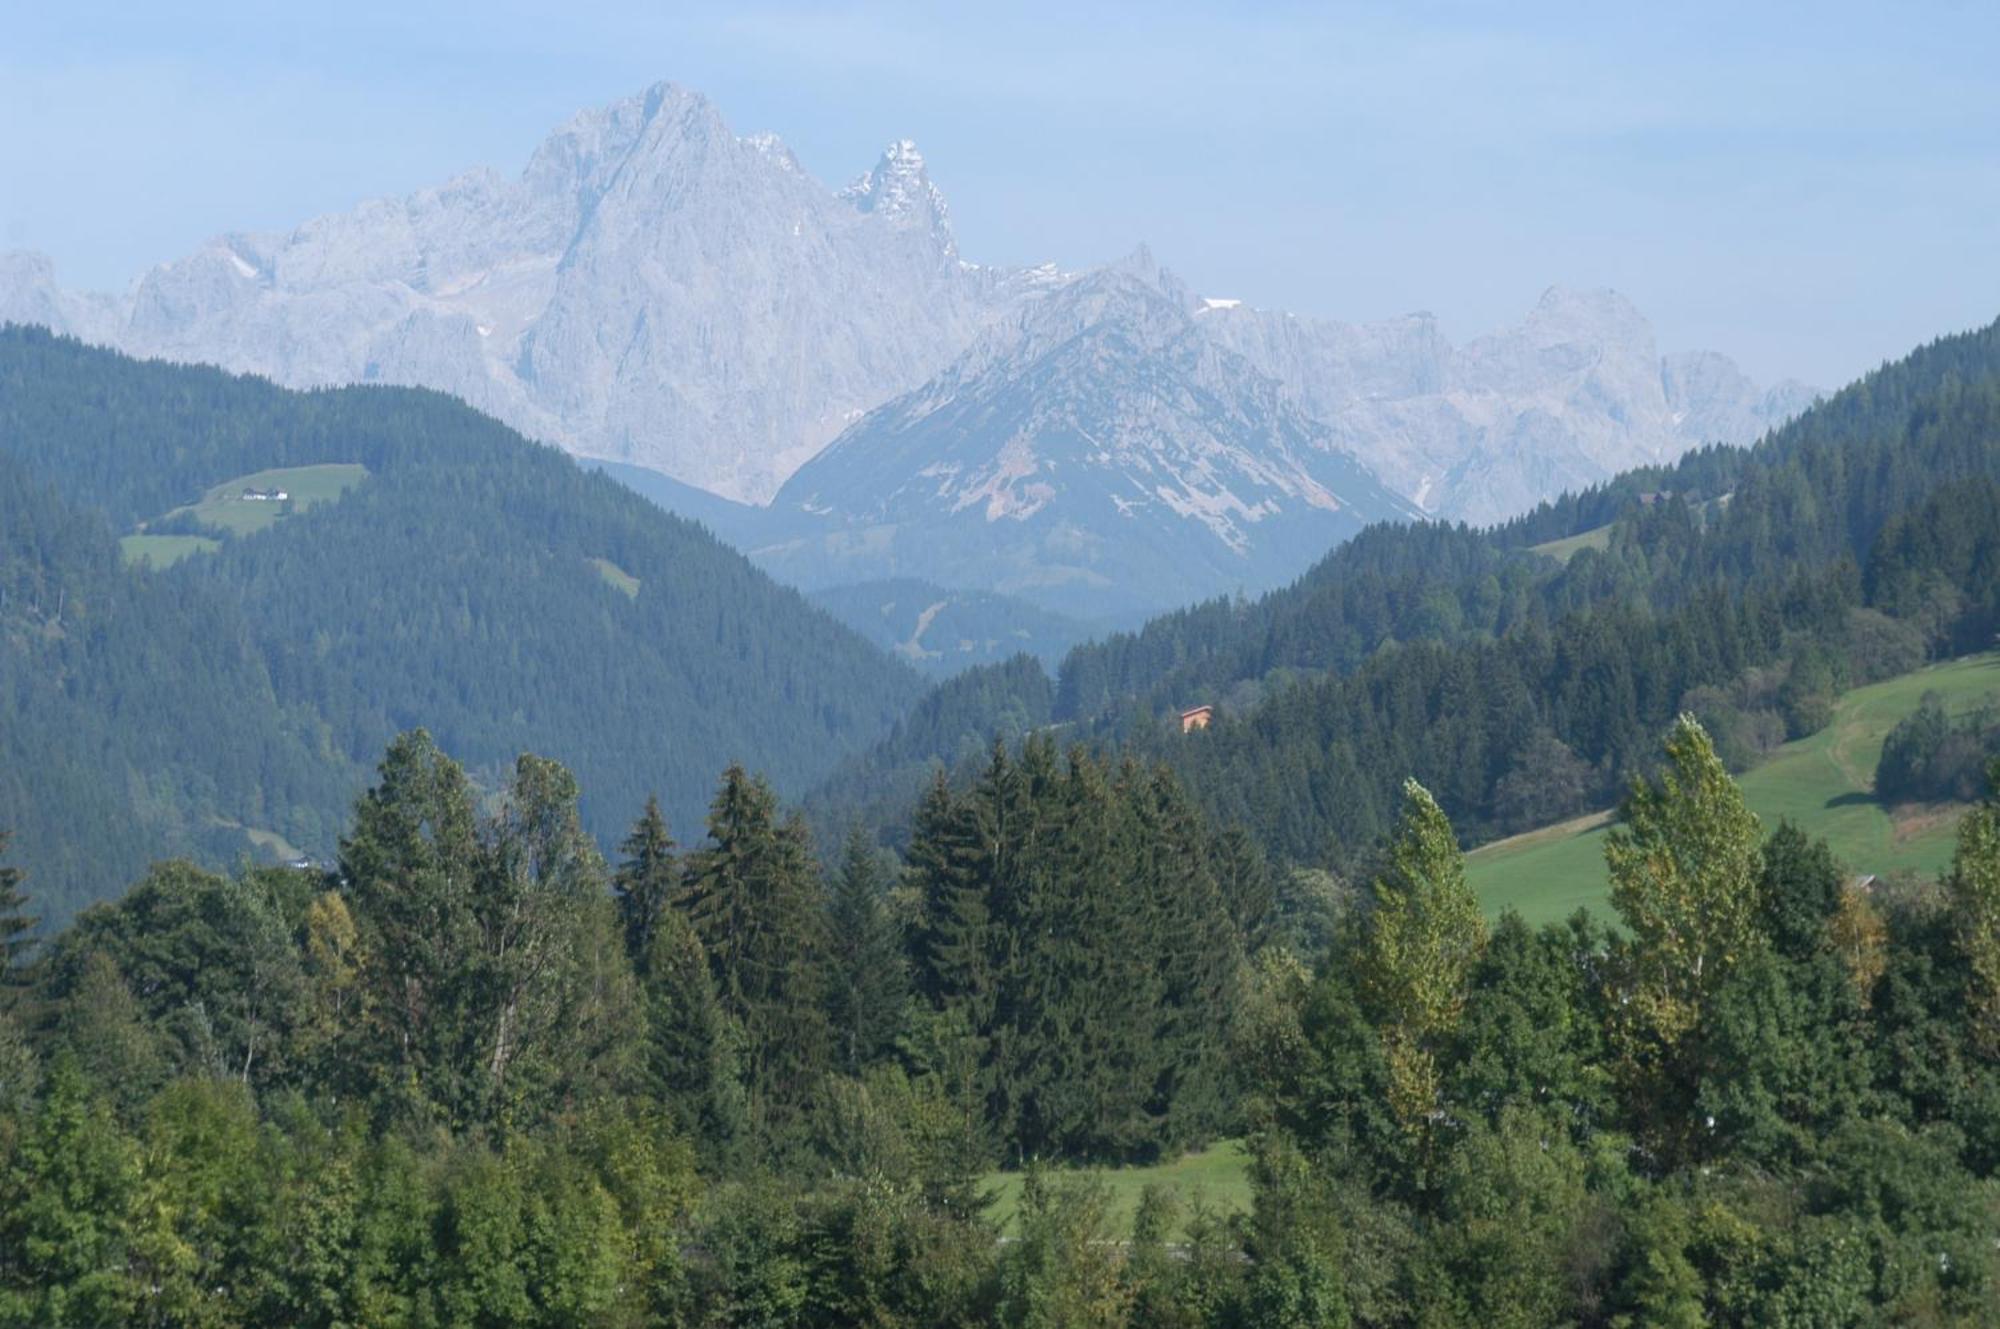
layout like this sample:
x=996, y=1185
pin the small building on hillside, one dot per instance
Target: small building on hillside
x=265, y=496
x=1196, y=717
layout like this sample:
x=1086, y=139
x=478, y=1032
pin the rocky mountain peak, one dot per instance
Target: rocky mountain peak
x=898, y=188
x=1594, y=314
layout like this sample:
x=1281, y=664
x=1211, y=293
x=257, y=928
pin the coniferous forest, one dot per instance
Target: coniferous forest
x=251, y=689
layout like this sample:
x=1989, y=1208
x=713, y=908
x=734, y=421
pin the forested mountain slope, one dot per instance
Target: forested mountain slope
x=475, y=583
x=1748, y=584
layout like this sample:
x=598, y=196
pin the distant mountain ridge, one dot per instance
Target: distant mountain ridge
x=1482, y=432
x=655, y=289
x=1095, y=453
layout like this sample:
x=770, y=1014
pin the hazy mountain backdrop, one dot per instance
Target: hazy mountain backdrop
x=658, y=290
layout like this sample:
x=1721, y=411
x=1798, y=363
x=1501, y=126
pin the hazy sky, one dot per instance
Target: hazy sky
x=1811, y=188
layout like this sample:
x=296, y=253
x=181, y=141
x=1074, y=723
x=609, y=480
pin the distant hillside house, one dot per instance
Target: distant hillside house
x=1196, y=717
x=265, y=496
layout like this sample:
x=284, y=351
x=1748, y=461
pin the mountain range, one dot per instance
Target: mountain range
x=656, y=290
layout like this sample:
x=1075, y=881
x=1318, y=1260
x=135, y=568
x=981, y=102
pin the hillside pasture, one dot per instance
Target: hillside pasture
x=1825, y=783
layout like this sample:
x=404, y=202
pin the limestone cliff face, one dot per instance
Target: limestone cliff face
x=653, y=288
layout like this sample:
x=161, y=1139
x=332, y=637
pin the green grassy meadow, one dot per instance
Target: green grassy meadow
x=224, y=508
x=1598, y=537
x=1824, y=783
x=616, y=577
x=1220, y=1175
x=163, y=551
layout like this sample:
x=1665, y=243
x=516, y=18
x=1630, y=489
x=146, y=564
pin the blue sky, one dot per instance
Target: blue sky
x=1809, y=188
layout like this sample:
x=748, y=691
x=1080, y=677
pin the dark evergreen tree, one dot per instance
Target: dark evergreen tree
x=487, y=945
x=755, y=899
x=17, y=926
x=694, y=1050
x=647, y=881
x=867, y=982
x=410, y=864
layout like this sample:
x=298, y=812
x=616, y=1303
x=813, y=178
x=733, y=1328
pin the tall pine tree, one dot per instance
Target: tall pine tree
x=647, y=881
x=753, y=896
x=16, y=925
x=867, y=981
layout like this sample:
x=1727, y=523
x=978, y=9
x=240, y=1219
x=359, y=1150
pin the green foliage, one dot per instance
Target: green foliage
x=1932, y=756
x=488, y=943
x=647, y=881
x=1076, y=954
x=1424, y=937
x=16, y=926
x=1061, y=1272
x=440, y=1087
x=1685, y=878
x=868, y=980
x=71, y=1195
x=1974, y=887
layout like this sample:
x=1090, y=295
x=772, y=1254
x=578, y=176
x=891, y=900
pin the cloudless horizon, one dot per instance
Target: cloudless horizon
x=1810, y=190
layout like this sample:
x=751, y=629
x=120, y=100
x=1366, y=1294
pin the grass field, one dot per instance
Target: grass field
x=224, y=508
x=1219, y=1174
x=163, y=551
x=618, y=577
x=1825, y=783
x=1596, y=538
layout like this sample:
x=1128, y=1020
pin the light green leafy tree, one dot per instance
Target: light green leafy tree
x=1685, y=878
x=1975, y=895
x=1424, y=938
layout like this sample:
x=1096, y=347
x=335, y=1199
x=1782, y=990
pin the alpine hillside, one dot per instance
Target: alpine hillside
x=467, y=581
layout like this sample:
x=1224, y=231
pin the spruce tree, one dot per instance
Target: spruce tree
x=16, y=925
x=1197, y=950
x=411, y=864
x=647, y=881
x=694, y=1050
x=950, y=864
x=1243, y=877
x=868, y=982
x=753, y=897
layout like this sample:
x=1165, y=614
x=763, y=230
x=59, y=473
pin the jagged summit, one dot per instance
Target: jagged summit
x=651, y=288
x=898, y=188
x=1096, y=454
